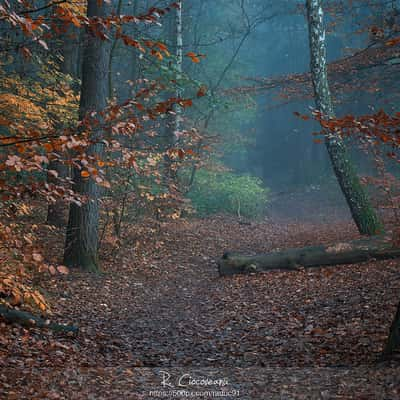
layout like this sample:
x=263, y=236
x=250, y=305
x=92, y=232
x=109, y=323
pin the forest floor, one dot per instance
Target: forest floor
x=160, y=307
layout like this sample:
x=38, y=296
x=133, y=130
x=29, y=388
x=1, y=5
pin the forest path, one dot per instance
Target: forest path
x=318, y=204
x=162, y=305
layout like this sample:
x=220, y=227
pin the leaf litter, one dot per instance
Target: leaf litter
x=160, y=304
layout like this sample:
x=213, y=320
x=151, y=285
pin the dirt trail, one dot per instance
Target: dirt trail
x=312, y=204
x=161, y=306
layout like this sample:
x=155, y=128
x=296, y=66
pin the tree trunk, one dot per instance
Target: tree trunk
x=393, y=341
x=82, y=233
x=111, y=58
x=361, y=210
x=379, y=247
x=56, y=212
x=179, y=60
x=175, y=122
x=136, y=65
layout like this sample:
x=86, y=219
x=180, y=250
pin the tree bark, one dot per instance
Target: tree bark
x=175, y=121
x=379, y=247
x=393, y=341
x=136, y=64
x=111, y=58
x=82, y=232
x=361, y=210
x=179, y=61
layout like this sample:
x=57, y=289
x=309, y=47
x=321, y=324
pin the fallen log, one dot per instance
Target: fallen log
x=29, y=320
x=377, y=247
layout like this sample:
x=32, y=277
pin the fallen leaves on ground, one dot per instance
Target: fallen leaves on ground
x=161, y=304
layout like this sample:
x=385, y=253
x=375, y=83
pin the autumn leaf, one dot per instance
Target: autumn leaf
x=85, y=174
x=75, y=21
x=26, y=53
x=195, y=57
x=186, y=103
x=43, y=44
x=105, y=184
x=20, y=148
x=37, y=257
x=48, y=147
x=52, y=270
x=181, y=154
x=162, y=47
x=157, y=54
x=62, y=269
x=202, y=91
x=17, y=298
x=4, y=121
x=393, y=42
x=302, y=116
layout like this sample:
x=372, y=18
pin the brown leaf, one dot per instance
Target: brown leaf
x=62, y=269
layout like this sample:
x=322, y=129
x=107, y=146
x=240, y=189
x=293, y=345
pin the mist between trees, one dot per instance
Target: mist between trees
x=116, y=114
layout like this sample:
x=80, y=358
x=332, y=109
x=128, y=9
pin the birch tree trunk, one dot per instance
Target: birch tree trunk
x=179, y=60
x=82, y=232
x=361, y=210
x=175, y=122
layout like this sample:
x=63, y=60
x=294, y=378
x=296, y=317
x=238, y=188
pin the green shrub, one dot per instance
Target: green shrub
x=226, y=192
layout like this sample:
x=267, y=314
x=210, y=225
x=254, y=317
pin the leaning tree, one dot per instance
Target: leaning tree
x=361, y=210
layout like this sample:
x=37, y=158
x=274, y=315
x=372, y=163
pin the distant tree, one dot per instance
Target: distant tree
x=361, y=210
x=70, y=45
x=175, y=120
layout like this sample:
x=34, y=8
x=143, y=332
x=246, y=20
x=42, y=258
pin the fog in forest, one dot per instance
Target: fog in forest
x=255, y=66
x=199, y=199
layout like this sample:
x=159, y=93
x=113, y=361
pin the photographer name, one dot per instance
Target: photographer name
x=187, y=380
